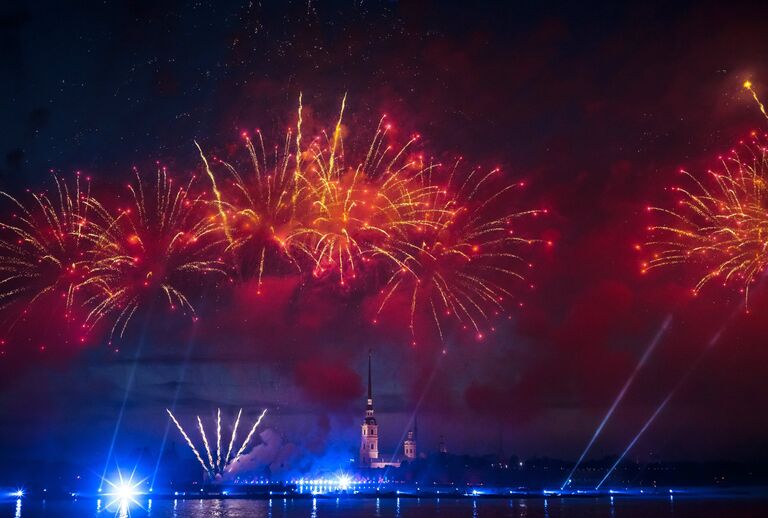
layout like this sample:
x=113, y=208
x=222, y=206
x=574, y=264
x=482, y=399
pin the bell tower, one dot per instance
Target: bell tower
x=409, y=446
x=369, y=444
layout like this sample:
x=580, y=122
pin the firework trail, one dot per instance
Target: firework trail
x=232, y=438
x=218, y=436
x=189, y=441
x=205, y=442
x=222, y=464
x=164, y=240
x=44, y=248
x=748, y=86
x=248, y=438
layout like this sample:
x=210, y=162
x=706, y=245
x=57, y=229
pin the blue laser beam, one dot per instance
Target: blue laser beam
x=710, y=345
x=639, y=434
x=620, y=396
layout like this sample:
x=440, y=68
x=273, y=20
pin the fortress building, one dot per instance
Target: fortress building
x=369, y=439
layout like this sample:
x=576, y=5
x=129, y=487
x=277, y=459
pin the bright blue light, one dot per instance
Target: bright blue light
x=19, y=493
x=343, y=482
x=124, y=491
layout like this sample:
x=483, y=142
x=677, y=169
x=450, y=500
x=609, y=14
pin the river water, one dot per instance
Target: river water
x=623, y=507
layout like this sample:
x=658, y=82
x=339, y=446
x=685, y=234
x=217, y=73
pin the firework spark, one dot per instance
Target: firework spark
x=216, y=469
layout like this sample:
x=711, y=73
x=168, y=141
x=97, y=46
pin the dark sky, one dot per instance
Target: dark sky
x=595, y=106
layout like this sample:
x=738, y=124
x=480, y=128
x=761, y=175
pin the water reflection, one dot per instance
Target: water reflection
x=523, y=509
x=550, y=507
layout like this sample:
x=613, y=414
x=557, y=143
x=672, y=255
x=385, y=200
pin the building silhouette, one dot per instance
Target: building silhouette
x=370, y=457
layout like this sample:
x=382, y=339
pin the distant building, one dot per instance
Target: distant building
x=369, y=438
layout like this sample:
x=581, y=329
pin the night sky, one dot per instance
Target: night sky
x=595, y=107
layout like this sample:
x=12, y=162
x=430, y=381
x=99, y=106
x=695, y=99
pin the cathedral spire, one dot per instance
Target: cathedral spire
x=369, y=406
x=370, y=390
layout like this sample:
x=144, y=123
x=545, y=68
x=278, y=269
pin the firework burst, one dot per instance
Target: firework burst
x=460, y=265
x=721, y=221
x=161, y=244
x=450, y=244
x=309, y=207
x=44, y=248
x=260, y=210
x=361, y=211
